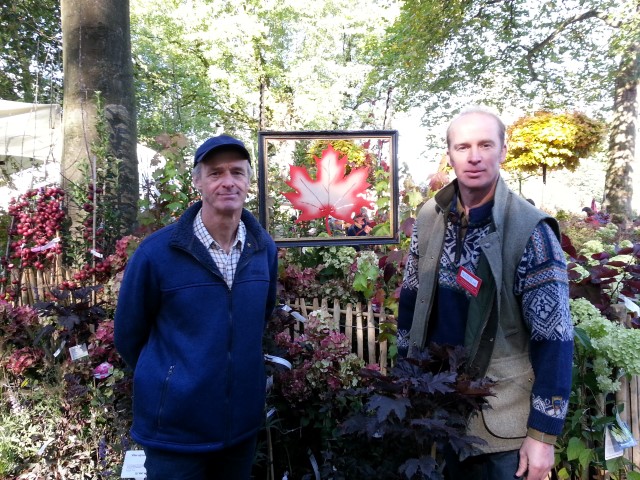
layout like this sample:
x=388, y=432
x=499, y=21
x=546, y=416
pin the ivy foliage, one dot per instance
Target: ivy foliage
x=552, y=141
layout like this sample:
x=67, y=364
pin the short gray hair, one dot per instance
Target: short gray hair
x=484, y=111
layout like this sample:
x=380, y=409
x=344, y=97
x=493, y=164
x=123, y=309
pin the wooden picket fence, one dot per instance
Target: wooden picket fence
x=360, y=323
x=628, y=395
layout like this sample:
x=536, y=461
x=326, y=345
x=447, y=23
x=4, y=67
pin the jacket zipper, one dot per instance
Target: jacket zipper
x=163, y=397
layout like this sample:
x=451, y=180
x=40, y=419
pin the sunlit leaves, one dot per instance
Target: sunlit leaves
x=552, y=140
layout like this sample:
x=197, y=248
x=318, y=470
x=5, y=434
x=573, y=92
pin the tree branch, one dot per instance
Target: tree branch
x=563, y=26
x=539, y=46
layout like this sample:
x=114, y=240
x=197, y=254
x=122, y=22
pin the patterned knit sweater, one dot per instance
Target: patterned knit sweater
x=541, y=287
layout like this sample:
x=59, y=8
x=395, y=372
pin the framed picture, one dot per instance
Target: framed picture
x=329, y=187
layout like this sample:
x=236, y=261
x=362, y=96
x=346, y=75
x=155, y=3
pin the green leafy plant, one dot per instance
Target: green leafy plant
x=170, y=192
x=551, y=141
x=605, y=350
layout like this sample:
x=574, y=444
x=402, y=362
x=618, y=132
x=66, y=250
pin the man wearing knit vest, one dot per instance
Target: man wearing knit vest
x=486, y=271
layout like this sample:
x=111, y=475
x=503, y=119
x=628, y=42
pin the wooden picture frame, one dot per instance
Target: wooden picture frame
x=311, y=184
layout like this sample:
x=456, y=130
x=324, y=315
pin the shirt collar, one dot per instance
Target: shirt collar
x=205, y=237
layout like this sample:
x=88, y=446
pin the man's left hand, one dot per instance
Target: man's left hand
x=536, y=459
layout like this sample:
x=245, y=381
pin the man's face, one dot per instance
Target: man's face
x=359, y=221
x=475, y=152
x=223, y=182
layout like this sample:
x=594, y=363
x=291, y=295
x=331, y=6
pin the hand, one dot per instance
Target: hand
x=367, y=229
x=536, y=459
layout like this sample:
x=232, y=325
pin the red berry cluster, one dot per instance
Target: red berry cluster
x=88, y=206
x=38, y=216
x=101, y=271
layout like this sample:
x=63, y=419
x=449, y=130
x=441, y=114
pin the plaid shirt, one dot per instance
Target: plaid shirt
x=227, y=263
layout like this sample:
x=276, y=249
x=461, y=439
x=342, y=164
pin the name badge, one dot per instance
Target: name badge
x=467, y=280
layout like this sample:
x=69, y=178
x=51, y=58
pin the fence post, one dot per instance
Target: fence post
x=371, y=334
x=348, y=324
x=359, y=332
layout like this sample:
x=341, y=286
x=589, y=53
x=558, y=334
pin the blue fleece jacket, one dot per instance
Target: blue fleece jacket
x=194, y=344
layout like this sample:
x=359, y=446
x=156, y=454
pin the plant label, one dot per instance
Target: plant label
x=612, y=448
x=133, y=466
x=78, y=352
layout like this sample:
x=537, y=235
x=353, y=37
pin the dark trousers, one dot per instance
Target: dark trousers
x=490, y=466
x=233, y=463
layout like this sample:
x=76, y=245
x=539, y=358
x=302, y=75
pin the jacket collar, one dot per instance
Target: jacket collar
x=184, y=237
x=444, y=197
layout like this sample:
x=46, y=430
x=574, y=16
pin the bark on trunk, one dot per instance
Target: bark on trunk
x=618, y=183
x=97, y=60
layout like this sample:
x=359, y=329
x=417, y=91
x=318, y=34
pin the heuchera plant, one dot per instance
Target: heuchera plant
x=358, y=422
x=410, y=415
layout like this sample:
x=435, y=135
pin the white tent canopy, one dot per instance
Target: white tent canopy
x=31, y=148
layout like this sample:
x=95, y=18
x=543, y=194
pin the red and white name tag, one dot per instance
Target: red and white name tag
x=467, y=280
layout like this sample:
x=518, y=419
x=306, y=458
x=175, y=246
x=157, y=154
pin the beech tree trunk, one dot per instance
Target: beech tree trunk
x=97, y=61
x=618, y=183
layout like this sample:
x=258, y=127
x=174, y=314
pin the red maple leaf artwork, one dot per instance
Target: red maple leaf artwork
x=333, y=192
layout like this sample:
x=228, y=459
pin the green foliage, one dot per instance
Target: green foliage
x=356, y=154
x=322, y=272
x=171, y=191
x=367, y=274
x=255, y=67
x=551, y=141
x=436, y=56
x=605, y=350
x=31, y=57
x=101, y=223
x=614, y=342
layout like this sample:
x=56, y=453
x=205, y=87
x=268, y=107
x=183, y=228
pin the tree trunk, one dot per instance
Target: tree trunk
x=97, y=63
x=618, y=183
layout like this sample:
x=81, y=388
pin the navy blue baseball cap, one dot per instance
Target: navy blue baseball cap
x=221, y=142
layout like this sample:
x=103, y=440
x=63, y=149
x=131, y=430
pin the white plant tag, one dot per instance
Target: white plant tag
x=59, y=350
x=612, y=448
x=133, y=466
x=78, y=352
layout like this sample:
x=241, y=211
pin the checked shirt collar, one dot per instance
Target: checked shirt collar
x=226, y=263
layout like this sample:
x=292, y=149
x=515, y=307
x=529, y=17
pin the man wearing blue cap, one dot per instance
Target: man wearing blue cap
x=193, y=304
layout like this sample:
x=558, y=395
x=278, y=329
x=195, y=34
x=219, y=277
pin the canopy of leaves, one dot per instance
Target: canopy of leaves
x=552, y=140
x=31, y=54
x=240, y=66
x=537, y=55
